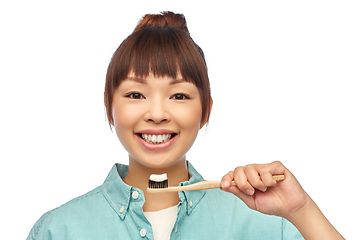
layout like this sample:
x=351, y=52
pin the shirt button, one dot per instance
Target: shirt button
x=190, y=203
x=135, y=195
x=143, y=232
x=122, y=209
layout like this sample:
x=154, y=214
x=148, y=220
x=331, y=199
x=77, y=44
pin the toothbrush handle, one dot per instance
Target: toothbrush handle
x=200, y=186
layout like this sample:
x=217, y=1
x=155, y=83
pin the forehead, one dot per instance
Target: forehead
x=143, y=79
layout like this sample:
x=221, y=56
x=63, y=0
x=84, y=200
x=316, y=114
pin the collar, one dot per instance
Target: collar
x=191, y=198
x=119, y=195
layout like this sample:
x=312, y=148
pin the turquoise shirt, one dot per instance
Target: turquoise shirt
x=114, y=211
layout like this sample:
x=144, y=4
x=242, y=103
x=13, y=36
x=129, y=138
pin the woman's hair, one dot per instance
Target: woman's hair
x=161, y=45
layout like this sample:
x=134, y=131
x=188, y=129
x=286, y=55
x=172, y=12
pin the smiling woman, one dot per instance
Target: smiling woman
x=157, y=97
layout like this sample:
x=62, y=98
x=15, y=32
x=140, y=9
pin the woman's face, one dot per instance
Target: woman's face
x=157, y=118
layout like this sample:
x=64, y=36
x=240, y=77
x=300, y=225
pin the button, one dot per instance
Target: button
x=122, y=209
x=190, y=203
x=135, y=194
x=143, y=232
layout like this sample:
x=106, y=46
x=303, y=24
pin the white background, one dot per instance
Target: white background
x=285, y=83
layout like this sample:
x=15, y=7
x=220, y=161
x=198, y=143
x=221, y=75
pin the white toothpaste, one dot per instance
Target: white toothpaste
x=158, y=177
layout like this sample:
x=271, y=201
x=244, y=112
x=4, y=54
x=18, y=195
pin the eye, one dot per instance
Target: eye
x=135, y=95
x=180, y=96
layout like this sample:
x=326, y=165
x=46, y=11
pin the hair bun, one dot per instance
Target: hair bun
x=164, y=19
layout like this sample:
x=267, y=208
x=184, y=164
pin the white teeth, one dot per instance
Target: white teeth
x=156, y=138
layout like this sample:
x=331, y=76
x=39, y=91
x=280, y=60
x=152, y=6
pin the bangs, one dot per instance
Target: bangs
x=162, y=52
x=157, y=51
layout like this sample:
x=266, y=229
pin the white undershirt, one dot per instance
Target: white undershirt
x=162, y=222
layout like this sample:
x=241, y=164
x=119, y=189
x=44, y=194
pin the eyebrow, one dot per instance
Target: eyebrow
x=143, y=80
x=137, y=79
x=178, y=80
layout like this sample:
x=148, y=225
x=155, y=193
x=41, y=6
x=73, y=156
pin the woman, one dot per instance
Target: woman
x=157, y=97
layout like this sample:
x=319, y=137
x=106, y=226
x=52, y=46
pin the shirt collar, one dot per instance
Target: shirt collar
x=192, y=198
x=118, y=194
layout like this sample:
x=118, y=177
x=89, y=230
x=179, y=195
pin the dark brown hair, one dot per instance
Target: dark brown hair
x=161, y=45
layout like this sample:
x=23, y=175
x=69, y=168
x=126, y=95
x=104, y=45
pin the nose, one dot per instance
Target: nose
x=157, y=113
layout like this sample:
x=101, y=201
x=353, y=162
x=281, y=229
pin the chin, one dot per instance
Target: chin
x=160, y=163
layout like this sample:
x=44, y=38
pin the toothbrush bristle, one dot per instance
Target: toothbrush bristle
x=158, y=181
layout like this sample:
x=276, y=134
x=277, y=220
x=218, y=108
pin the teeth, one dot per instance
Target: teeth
x=156, y=138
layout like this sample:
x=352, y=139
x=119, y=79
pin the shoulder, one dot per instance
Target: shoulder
x=219, y=197
x=70, y=211
x=228, y=210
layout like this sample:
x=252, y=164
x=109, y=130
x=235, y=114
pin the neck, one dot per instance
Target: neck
x=138, y=176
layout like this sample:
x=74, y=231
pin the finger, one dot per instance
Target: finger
x=275, y=168
x=268, y=170
x=226, y=180
x=267, y=177
x=241, y=181
x=252, y=173
x=247, y=199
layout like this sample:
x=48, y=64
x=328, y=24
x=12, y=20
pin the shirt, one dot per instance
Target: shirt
x=114, y=211
x=162, y=222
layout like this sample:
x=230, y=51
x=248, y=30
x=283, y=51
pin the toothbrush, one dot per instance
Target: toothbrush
x=159, y=184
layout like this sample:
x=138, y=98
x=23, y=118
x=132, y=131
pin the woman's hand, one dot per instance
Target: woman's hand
x=287, y=199
x=258, y=190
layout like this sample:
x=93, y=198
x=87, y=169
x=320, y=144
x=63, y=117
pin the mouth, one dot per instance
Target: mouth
x=157, y=139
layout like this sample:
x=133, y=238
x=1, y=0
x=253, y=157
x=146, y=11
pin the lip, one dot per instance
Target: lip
x=158, y=146
x=155, y=131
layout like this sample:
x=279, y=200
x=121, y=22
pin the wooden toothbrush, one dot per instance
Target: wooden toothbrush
x=159, y=184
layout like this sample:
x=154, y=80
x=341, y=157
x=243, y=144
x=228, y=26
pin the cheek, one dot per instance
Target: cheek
x=124, y=117
x=190, y=117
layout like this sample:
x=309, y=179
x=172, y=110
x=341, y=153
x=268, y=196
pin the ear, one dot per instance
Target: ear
x=203, y=122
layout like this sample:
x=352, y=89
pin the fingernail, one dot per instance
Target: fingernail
x=263, y=189
x=273, y=182
x=223, y=184
x=249, y=192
